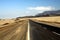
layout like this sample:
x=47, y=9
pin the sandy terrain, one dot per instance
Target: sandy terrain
x=54, y=21
x=3, y=21
x=49, y=19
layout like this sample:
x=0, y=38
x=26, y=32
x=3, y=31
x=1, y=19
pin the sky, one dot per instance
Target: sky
x=16, y=8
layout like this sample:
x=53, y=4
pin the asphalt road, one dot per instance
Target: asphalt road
x=26, y=30
x=37, y=32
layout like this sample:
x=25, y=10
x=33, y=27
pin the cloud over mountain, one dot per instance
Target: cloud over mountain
x=42, y=8
x=39, y=9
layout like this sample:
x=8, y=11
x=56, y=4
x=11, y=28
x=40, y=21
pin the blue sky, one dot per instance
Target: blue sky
x=15, y=8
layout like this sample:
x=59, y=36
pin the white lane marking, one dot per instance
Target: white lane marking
x=28, y=31
x=56, y=33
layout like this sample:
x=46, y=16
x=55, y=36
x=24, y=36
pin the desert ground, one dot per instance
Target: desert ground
x=39, y=28
x=54, y=21
x=50, y=19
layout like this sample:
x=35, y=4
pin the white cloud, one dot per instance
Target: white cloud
x=42, y=8
x=39, y=9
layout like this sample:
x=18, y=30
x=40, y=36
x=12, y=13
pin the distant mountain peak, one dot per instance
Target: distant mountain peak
x=49, y=13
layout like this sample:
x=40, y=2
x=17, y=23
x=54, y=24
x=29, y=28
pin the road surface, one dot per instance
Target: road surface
x=37, y=32
x=26, y=30
x=15, y=31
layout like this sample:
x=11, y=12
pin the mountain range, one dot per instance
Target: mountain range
x=49, y=13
